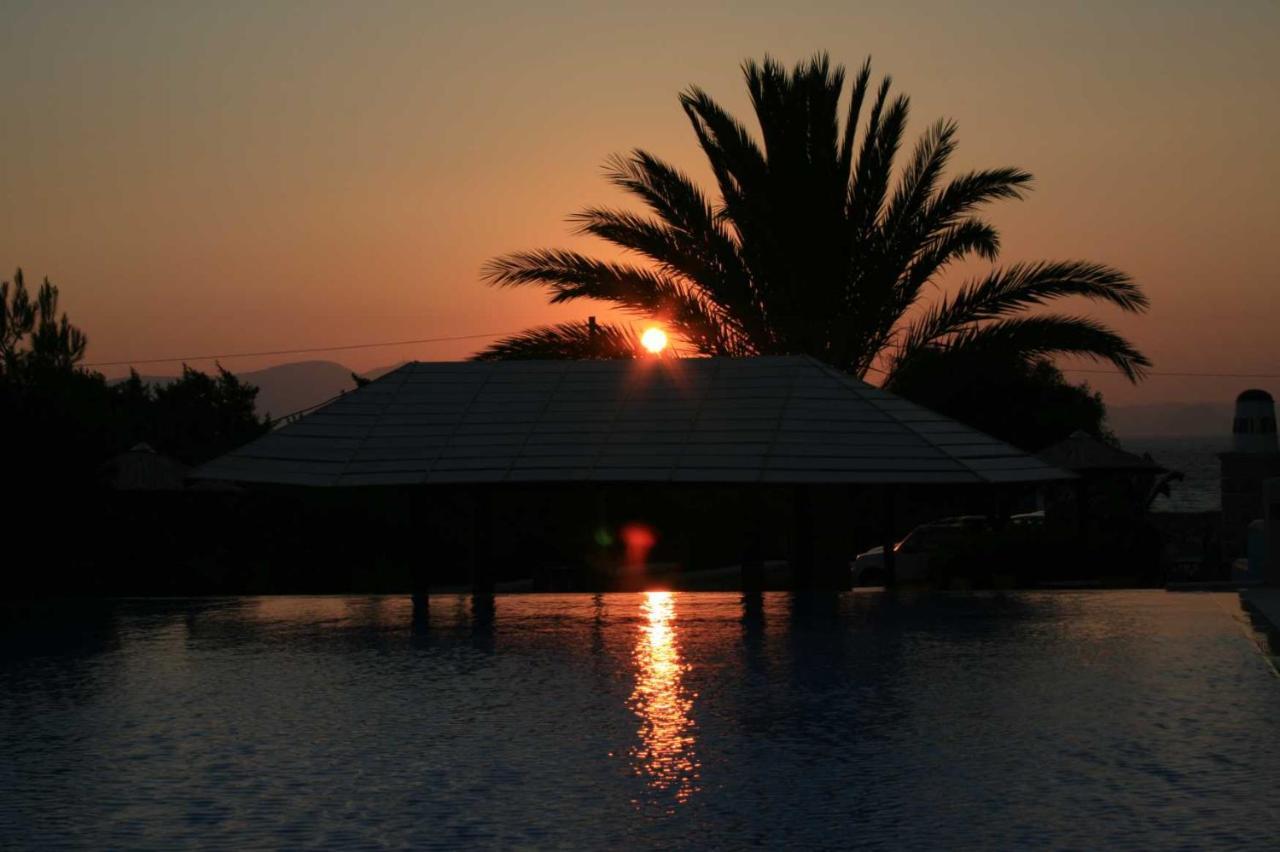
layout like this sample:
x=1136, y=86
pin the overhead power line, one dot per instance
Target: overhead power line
x=492, y=334
x=1177, y=374
x=227, y=355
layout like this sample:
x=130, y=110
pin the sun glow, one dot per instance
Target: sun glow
x=665, y=754
x=654, y=339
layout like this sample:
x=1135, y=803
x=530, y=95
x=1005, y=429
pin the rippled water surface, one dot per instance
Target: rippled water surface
x=1119, y=719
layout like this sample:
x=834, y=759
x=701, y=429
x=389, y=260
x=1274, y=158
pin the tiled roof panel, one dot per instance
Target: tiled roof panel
x=769, y=419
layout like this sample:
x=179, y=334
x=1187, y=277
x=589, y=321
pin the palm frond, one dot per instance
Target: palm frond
x=713, y=276
x=667, y=191
x=689, y=239
x=858, y=94
x=798, y=117
x=966, y=193
x=735, y=158
x=920, y=177
x=1021, y=286
x=569, y=275
x=648, y=237
x=568, y=340
x=1051, y=334
x=966, y=237
x=875, y=164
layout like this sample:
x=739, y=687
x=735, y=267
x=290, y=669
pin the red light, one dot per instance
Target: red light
x=638, y=539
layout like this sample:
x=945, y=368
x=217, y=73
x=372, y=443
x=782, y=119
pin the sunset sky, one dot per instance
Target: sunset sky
x=223, y=177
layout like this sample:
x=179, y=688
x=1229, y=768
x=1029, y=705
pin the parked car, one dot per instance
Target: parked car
x=925, y=549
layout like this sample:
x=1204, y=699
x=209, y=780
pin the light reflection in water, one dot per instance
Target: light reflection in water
x=665, y=754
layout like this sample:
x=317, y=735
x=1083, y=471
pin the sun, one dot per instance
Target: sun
x=654, y=339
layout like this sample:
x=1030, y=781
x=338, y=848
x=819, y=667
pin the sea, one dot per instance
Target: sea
x=1196, y=458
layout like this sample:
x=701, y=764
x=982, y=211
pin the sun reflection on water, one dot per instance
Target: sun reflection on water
x=665, y=754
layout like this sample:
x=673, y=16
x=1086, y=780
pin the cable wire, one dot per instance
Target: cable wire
x=352, y=346
x=1177, y=374
x=292, y=351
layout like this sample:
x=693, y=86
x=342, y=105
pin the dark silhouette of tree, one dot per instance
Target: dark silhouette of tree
x=814, y=246
x=63, y=421
x=32, y=334
x=1028, y=404
x=198, y=417
x=56, y=415
x=58, y=427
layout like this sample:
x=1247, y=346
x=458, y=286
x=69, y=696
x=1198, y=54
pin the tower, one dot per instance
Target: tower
x=1254, y=458
x=1254, y=429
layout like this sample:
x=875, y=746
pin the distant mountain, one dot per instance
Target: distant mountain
x=286, y=388
x=1171, y=419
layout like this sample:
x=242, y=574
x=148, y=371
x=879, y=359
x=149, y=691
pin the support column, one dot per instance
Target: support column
x=753, y=542
x=1001, y=500
x=1083, y=548
x=419, y=570
x=889, y=497
x=753, y=630
x=601, y=576
x=802, y=537
x=482, y=568
x=421, y=612
x=482, y=621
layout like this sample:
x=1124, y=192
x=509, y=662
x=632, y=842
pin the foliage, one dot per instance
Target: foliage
x=63, y=421
x=195, y=417
x=32, y=335
x=58, y=429
x=576, y=340
x=816, y=244
x=1027, y=404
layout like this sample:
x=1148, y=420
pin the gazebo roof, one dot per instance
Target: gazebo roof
x=1083, y=452
x=779, y=419
x=141, y=468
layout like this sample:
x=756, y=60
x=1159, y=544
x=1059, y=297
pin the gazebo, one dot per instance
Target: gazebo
x=1112, y=485
x=777, y=421
x=141, y=468
x=1083, y=453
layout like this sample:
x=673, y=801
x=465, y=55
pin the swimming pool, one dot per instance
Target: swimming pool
x=1069, y=719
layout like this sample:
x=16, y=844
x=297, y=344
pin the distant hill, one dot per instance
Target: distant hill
x=286, y=388
x=1171, y=419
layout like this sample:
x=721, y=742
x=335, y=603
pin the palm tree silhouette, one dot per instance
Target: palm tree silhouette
x=813, y=248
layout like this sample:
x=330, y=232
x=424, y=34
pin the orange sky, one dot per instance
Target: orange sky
x=220, y=177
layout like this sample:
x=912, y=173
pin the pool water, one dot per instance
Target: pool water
x=1137, y=720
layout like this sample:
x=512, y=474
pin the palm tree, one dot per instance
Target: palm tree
x=812, y=246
